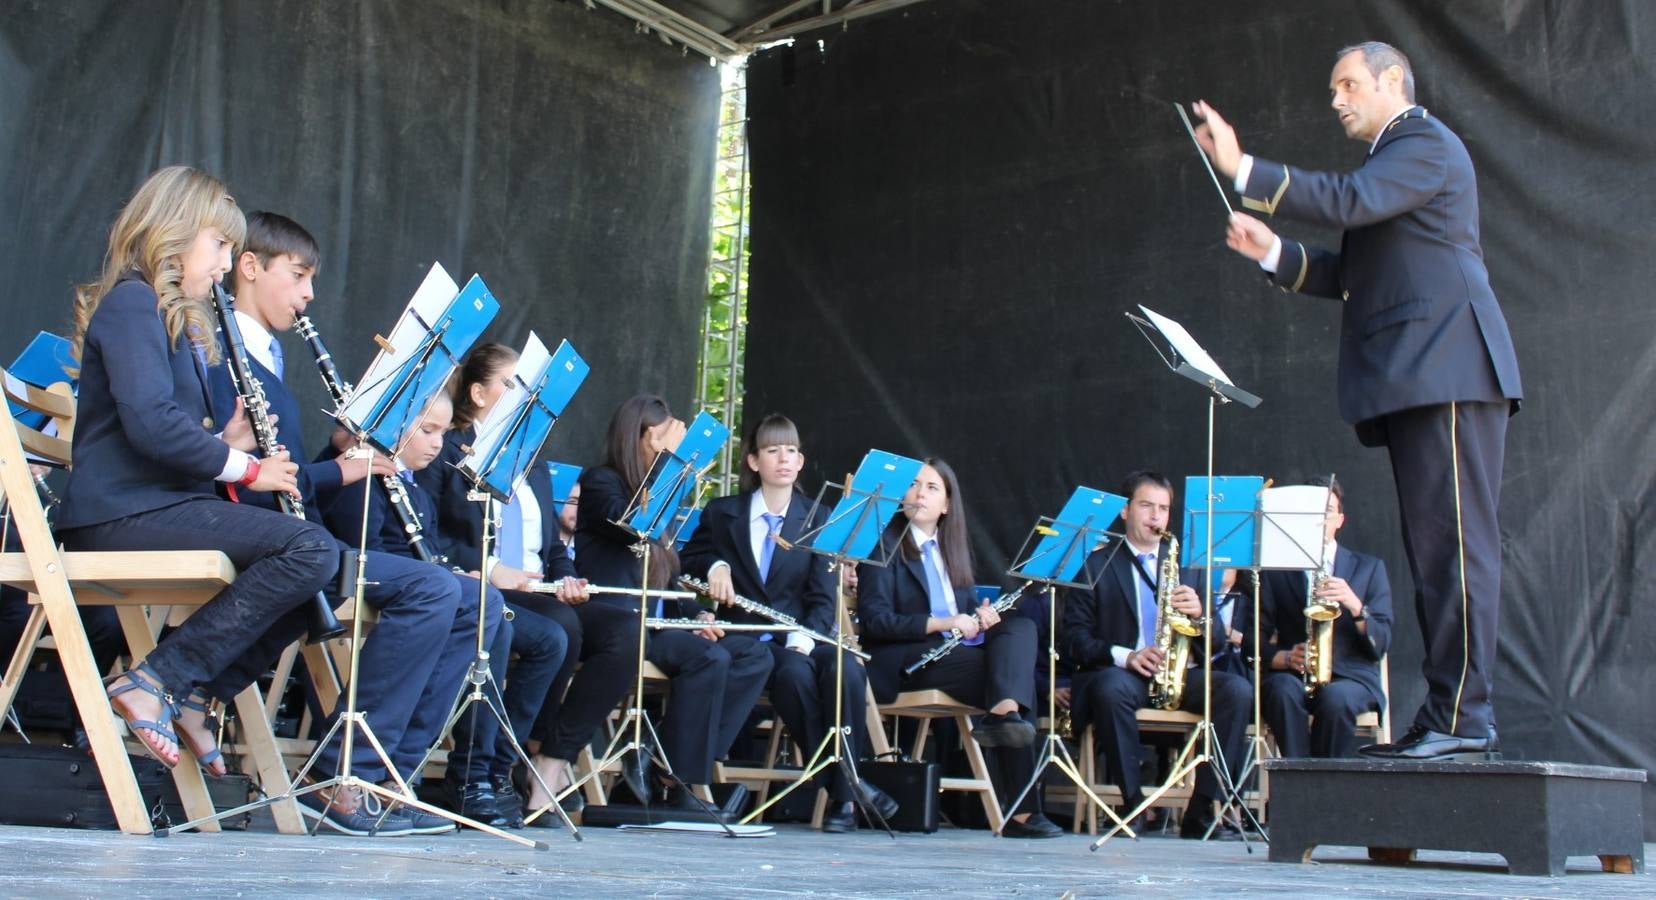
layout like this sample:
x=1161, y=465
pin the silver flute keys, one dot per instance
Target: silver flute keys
x=766, y=612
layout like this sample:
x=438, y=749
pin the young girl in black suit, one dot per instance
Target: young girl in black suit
x=147, y=456
x=908, y=606
x=733, y=550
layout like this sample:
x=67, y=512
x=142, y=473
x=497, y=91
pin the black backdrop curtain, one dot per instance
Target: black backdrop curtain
x=952, y=208
x=553, y=150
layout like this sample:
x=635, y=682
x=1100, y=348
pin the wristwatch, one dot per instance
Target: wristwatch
x=1362, y=613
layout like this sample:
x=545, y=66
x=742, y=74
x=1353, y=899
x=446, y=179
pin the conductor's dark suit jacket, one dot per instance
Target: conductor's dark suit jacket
x=1421, y=325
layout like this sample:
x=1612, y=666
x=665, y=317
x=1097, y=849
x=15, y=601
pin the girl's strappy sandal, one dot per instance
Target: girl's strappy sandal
x=143, y=678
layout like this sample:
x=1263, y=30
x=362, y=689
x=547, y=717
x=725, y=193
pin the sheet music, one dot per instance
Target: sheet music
x=531, y=368
x=1185, y=345
x=870, y=501
x=433, y=294
x=1291, y=533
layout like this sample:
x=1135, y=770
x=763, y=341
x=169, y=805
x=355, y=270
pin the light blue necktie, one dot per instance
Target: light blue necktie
x=511, y=534
x=1147, y=601
x=276, y=358
x=767, y=550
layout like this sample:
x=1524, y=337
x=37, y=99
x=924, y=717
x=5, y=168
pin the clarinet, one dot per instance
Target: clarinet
x=322, y=624
x=340, y=390
x=1002, y=603
x=766, y=612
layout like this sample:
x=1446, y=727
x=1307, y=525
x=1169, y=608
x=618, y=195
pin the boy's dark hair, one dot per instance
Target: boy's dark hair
x=270, y=235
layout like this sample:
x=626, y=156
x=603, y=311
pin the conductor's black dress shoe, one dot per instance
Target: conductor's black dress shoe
x=1423, y=744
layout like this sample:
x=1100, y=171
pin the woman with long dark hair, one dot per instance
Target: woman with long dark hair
x=927, y=591
x=716, y=677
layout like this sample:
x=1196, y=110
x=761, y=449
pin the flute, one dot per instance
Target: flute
x=699, y=624
x=766, y=612
x=1002, y=603
x=553, y=587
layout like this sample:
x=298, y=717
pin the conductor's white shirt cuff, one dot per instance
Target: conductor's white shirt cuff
x=1273, y=256
x=235, y=466
x=1244, y=168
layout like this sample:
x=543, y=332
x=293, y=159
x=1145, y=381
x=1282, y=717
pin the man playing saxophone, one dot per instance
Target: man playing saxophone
x=1313, y=715
x=1110, y=635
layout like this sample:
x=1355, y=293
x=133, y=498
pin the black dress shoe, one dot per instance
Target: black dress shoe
x=1424, y=744
x=1197, y=819
x=1036, y=826
x=508, y=802
x=680, y=797
x=842, y=819
x=878, y=800
x=478, y=802
x=1010, y=730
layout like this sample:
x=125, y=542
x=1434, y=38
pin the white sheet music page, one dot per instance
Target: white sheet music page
x=531, y=368
x=428, y=302
x=1185, y=345
x=1291, y=533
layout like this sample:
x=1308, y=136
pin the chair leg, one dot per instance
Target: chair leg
x=876, y=728
x=260, y=741
x=20, y=659
x=594, y=788
x=922, y=733
x=283, y=671
x=319, y=662
x=192, y=785
x=980, y=771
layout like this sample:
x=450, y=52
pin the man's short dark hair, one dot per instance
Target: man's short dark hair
x=1333, y=485
x=270, y=235
x=1379, y=57
x=1142, y=477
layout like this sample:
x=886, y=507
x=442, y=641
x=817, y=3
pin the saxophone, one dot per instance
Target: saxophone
x=1174, y=630
x=1319, y=632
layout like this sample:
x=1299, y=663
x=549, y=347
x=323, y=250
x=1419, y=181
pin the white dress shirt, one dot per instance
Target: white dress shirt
x=1119, y=652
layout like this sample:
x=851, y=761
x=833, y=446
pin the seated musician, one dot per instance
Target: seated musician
x=146, y=457
x=716, y=677
x=927, y=591
x=1321, y=721
x=734, y=551
x=1110, y=636
x=601, y=640
x=415, y=656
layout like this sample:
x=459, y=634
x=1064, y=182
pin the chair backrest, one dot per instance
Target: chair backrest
x=21, y=444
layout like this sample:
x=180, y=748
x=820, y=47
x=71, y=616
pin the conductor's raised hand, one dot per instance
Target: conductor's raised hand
x=1218, y=139
x=277, y=473
x=1249, y=236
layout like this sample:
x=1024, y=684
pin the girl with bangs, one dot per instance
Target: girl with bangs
x=148, y=457
x=744, y=545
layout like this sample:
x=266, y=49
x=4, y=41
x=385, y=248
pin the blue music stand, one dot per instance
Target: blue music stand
x=1234, y=519
x=564, y=477
x=46, y=361
x=517, y=427
x=658, y=512
x=1053, y=555
x=508, y=440
x=434, y=332
x=1057, y=548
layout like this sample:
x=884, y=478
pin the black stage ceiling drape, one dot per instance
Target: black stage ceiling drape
x=953, y=206
x=553, y=150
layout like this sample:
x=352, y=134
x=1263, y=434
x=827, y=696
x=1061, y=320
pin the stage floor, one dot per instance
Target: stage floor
x=47, y=862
